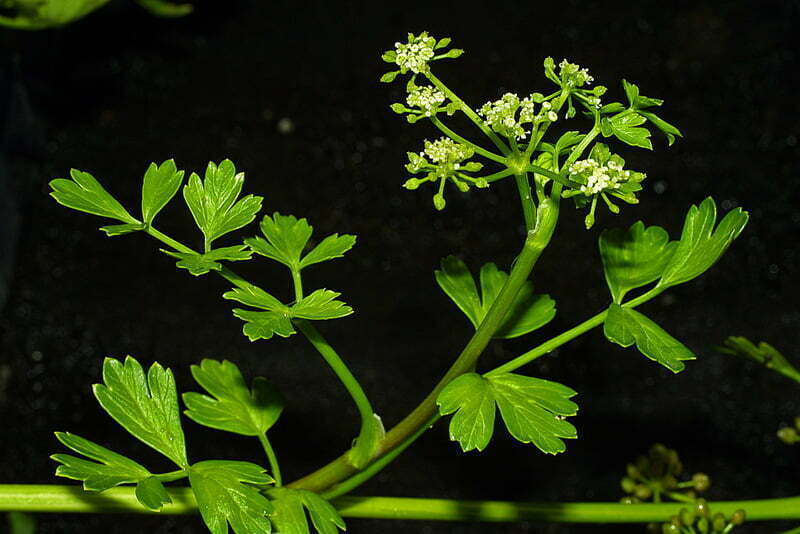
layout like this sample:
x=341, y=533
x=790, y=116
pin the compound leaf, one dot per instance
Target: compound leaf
x=528, y=312
x=321, y=305
x=635, y=257
x=291, y=506
x=213, y=200
x=146, y=406
x=333, y=246
x=232, y=406
x=286, y=237
x=533, y=410
x=84, y=193
x=764, y=354
x=227, y=492
x=104, y=469
x=626, y=129
x=200, y=264
x=161, y=183
x=627, y=327
x=256, y=297
x=701, y=244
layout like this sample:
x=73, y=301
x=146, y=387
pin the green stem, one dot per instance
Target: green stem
x=378, y=465
x=342, y=372
x=72, y=499
x=528, y=207
x=551, y=344
x=469, y=113
x=480, y=150
x=273, y=460
x=498, y=175
x=537, y=240
x=297, y=279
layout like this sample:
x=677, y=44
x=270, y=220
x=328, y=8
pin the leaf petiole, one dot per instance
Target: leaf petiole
x=272, y=458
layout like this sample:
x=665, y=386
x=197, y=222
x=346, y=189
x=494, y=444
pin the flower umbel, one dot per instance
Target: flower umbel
x=509, y=115
x=415, y=54
x=603, y=174
x=444, y=160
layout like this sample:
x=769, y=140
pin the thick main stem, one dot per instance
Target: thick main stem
x=535, y=243
x=72, y=499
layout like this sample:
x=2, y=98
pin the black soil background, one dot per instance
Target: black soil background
x=120, y=89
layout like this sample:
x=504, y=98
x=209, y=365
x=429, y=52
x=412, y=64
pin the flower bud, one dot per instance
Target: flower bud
x=701, y=481
x=439, y=201
x=738, y=517
x=702, y=508
x=719, y=522
x=643, y=492
x=628, y=485
x=411, y=184
x=687, y=517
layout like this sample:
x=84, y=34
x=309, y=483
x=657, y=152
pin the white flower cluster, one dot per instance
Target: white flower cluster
x=446, y=151
x=598, y=178
x=573, y=74
x=416, y=53
x=426, y=98
x=501, y=115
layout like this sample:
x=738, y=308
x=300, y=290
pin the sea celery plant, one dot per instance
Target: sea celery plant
x=579, y=165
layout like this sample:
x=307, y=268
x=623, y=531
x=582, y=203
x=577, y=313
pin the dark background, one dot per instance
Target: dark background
x=119, y=89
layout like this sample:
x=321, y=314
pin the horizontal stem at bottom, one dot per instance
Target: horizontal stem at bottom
x=72, y=499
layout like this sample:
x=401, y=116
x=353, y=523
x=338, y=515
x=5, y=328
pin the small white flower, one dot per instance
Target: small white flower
x=552, y=116
x=573, y=74
x=426, y=98
x=416, y=53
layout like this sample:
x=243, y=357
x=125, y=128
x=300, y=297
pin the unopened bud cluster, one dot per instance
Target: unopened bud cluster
x=509, y=115
x=657, y=473
x=573, y=75
x=699, y=519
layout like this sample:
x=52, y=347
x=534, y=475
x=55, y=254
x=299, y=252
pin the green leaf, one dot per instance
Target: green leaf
x=631, y=91
x=625, y=128
x=701, y=244
x=122, y=229
x=532, y=409
x=84, y=193
x=227, y=492
x=627, y=327
x=161, y=183
x=471, y=398
x=333, y=246
x=151, y=493
x=321, y=305
x=264, y=325
x=232, y=407
x=666, y=128
x=635, y=257
x=527, y=313
x=199, y=264
x=21, y=523
x=367, y=442
x=256, y=297
x=146, y=406
x=764, y=354
x=289, y=516
x=390, y=76
x=286, y=237
x=213, y=203
x=104, y=469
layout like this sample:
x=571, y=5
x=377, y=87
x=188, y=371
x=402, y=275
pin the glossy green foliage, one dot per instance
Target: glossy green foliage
x=763, y=353
x=200, y=264
x=627, y=327
x=229, y=492
x=635, y=257
x=533, y=410
x=285, y=239
x=640, y=102
x=528, y=312
x=152, y=494
x=161, y=183
x=84, y=193
x=292, y=508
x=627, y=127
x=276, y=317
x=231, y=405
x=702, y=243
x=104, y=469
x=213, y=201
x=145, y=405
